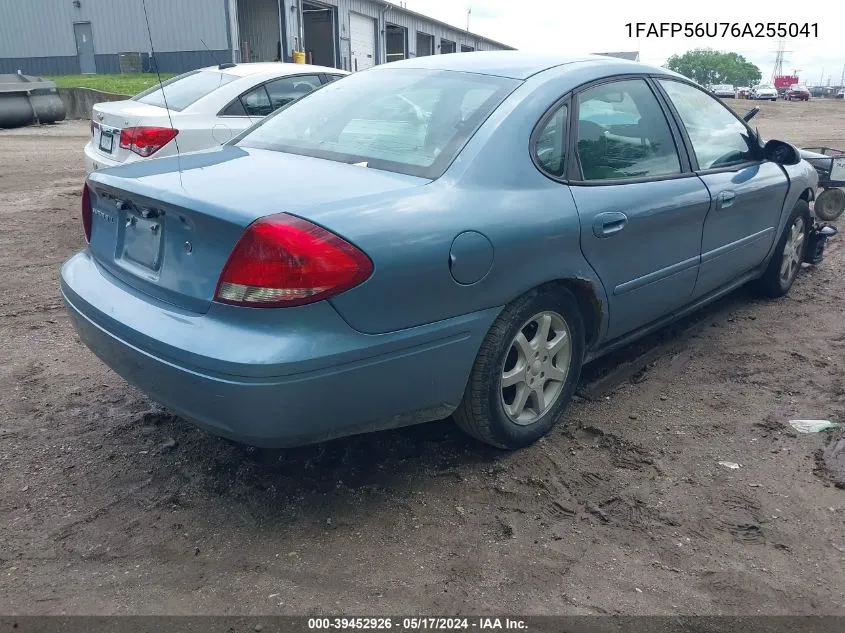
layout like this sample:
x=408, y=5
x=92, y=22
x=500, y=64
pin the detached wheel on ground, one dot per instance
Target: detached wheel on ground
x=526, y=370
x=789, y=254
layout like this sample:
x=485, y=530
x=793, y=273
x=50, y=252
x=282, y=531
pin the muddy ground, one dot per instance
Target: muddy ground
x=111, y=505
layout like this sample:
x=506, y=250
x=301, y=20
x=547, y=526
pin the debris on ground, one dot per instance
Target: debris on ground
x=813, y=426
x=731, y=465
x=168, y=445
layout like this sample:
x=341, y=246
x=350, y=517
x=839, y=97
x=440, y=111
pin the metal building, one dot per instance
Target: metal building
x=53, y=37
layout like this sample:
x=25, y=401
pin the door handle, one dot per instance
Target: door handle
x=725, y=199
x=608, y=223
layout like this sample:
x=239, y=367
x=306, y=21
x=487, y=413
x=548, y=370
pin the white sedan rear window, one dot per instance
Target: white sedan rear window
x=182, y=91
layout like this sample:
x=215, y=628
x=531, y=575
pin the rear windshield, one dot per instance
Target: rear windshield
x=182, y=91
x=408, y=121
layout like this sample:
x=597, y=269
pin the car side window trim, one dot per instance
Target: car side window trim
x=255, y=87
x=657, y=79
x=678, y=131
x=573, y=169
x=255, y=90
x=563, y=102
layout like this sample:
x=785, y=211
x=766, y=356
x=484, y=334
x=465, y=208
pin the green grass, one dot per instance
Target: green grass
x=118, y=84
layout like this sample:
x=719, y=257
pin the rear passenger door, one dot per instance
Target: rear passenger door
x=747, y=192
x=640, y=206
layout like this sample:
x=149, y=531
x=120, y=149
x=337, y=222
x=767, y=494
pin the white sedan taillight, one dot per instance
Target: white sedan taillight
x=145, y=140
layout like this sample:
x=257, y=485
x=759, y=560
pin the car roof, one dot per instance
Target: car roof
x=273, y=68
x=512, y=64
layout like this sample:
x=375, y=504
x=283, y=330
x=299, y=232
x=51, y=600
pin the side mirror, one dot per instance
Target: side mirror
x=750, y=114
x=781, y=153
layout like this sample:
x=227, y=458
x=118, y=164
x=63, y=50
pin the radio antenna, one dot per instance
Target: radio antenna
x=161, y=87
x=211, y=52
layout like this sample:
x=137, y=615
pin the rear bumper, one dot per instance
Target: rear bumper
x=94, y=160
x=272, y=377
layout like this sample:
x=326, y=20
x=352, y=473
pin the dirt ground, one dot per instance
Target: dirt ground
x=109, y=505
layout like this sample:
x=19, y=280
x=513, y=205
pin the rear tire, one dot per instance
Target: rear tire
x=789, y=254
x=526, y=370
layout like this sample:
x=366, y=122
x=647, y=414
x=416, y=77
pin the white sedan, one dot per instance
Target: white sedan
x=724, y=91
x=765, y=92
x=204, y=108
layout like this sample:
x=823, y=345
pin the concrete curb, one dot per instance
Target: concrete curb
x=79, y=101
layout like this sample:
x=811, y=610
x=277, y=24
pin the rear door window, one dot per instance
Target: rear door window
x=257, y=102
x=288, y=89
x=182, y=91
x=623, y=133
x=236, y=108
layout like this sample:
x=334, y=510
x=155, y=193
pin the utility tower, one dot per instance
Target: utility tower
x=778, y=69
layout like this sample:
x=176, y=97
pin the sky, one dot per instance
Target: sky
x=550, y=26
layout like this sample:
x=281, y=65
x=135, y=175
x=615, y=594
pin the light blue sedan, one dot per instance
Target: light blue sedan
x=448, y=235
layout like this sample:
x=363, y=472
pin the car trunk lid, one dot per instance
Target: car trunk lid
x=112, y=117
x=167, y=227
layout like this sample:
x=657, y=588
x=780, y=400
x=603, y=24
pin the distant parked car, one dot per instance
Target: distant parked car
x=764, y=91
x=207, y=107
x=798, y=92
x=444, y=234
x=724, y=91
x=841, y=94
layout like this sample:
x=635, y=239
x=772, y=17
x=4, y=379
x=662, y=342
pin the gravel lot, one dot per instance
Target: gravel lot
x=111, y=505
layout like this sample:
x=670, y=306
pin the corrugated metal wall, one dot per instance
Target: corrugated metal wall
x=41, y=31
x=41, y=28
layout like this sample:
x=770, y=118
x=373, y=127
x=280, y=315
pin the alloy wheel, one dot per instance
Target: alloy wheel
x=535, y=368
x=793, y=251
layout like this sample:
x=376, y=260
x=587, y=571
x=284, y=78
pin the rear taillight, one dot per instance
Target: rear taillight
x=146, y=141
x=86, y=212
x=282, y=261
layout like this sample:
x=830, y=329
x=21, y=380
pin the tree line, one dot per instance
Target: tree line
x=709, y=67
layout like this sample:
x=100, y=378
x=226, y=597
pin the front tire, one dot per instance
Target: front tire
x=789, y=254
x=526, y=370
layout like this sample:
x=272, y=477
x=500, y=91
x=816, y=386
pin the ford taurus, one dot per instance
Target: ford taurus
x=447, y=235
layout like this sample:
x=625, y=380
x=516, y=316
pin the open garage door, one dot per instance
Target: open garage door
x=447, y=46
x=320, y=34
x=362, y=41
x=259, y=31
x=425, y=44
x=396, y=42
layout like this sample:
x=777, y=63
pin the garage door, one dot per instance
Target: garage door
x=362, y=41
